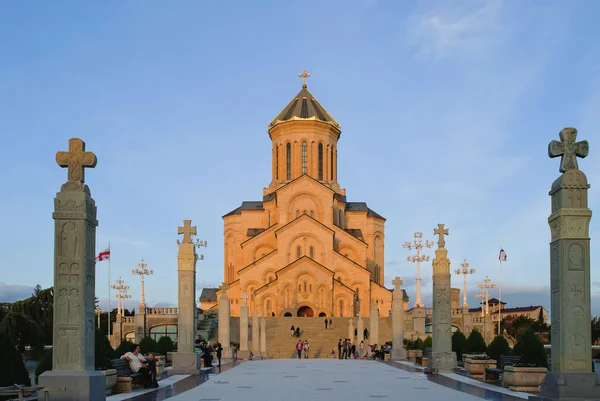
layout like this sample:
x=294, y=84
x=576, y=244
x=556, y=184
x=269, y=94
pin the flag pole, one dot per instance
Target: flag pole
x=109, y=290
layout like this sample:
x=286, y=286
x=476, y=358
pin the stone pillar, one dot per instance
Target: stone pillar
x=360, y=329
x=398, y=351
x=74, y=284
x=571, y=375
x=442, y=359
x=374, y=324
x=488, y=329
x=418, y=320
x=263, y=337
x=224, y=320
x=255, y=334
x=140, y=325
x=467, y=317
x=243, y=353
x=351, y=330
x=185, y=360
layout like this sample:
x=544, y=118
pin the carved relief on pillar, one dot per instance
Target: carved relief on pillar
x=70, y=238
x=69, y=346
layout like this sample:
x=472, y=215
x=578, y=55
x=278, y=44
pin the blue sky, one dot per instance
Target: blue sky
x=446, y=108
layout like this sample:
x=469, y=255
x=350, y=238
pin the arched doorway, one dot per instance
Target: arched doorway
x=322, y=314
x=287, y=314
x=305, y=311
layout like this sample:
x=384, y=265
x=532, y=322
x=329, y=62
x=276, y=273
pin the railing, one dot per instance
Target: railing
x=161, y=311
x=128, y=319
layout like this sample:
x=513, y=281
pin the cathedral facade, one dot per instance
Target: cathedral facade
x=304, y=249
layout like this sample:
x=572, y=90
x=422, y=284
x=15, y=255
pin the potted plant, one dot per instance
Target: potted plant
x=474, y=357
x=414, y=350
x=528, y=374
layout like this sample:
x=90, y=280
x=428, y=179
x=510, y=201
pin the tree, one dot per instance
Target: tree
x=595, y=329
x=458, y=342
x=475, y=343
x=11, y=364
x=104, y=351
x=148, y=344
x=498, y=346
x=164, y=345
x=531, y=350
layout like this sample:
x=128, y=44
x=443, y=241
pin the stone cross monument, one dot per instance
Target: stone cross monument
x=351, y=330
x=244, y=327
x=224, y=319
x=571, y=375
x=360, y=329
x=398, y=351
x=374, y=324
x=442, y=358
x=185, y=360
x=74, y=283
x=255, y=334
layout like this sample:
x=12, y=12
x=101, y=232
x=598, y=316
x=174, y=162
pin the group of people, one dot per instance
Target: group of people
x=207, y=352
x=145, y=366
x=348, y=350
x=302, y=346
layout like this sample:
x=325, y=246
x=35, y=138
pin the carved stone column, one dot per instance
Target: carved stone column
x=398, y=351
x=263, y=337
x=360, y=329
x=255, y=334
x=185, y=360
x=374, y=324
x=351, y=330
x=224, y=321
x=442, y=359
x=418, y=320
x=74, y=283
x=571, y=375
x=243, y=353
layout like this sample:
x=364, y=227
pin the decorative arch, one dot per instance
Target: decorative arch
x=349, y=251
x=304, y=201
x=261, y=250
x=299, y=240
x=268, y=276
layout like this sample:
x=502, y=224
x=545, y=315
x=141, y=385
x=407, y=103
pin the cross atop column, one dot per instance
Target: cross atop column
x=76, y=160
x=244, y=298
x=187, y=230
x=304, y=75
x=224, y=287
x=568, y=149
x=397, y=283
x=441, y=231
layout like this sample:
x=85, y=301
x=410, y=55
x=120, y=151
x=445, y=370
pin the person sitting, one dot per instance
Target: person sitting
x=138, y=364
x=152, y=369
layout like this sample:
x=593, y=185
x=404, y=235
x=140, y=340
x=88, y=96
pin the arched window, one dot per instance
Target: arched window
x=311, y=252
x=288, y=161
x=331, y=163
x=305, y=286
x=310, y=288
x=312, y=213
x=341, y=307
x=340, y=218
x=298, y=252
x=297, y=213
x=299, y=287
x=320, y=161
x=277, y=163
x=304, y=157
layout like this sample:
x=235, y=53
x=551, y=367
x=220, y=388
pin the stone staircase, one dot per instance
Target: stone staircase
x=280, y=343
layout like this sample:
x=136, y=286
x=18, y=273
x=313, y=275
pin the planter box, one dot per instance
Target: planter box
x=465, y=356
x=424, y=361
x=523, y=379
x=476, y=367
x=169, y=357
x=111, y=379
x=412, y=355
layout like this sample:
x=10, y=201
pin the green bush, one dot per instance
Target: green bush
x=458, y=342
x=104, y=351
x=164, y=345
x=43, y=365
x=475, y=343
x=11, y=365
x=531, y=350
x=499, y=346
x=123, y=348
x=148, y=344
x=428, y=343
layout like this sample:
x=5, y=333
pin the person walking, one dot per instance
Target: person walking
x=331, y=324
x=299, y=349
x=298, y=331
x=326, y=321
x=306, y=349
x=345, y=349
x=361, y=349
x=366, y=334
x=219, y=352
x=340, y=349
x=292, y=330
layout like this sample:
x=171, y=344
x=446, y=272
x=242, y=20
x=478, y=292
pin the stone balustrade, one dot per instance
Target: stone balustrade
x=128, y=319
x=161, y=311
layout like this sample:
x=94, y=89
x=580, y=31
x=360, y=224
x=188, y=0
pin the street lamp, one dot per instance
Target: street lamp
x=417, y=258
x=98, y=310
x=485, y=287
x=121, y=289
x=142, y=270
x=465, y=270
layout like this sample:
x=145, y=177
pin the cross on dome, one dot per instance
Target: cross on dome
x=304, y=75
x=76, y=160
x=568, y=149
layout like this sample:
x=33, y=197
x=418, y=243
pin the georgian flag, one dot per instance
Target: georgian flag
x=104, y=255
x=502, y=256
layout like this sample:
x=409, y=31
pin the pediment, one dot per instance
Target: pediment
x=304, y=222
x=300, y=263
x=304, y=183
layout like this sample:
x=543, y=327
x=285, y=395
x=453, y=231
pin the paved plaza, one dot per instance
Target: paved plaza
x=320, y=379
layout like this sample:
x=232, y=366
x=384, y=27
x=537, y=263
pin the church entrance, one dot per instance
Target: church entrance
x=305, y=311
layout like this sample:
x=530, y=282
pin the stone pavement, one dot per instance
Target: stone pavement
x=320, y=379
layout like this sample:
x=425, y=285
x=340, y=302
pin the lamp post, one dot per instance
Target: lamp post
x=417, y=258
x=465, y=270
x=142, y=270
x=121, y=289
x=485, y=287
x=481, y=296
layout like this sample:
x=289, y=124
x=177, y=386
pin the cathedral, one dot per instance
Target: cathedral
x=304, y=249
